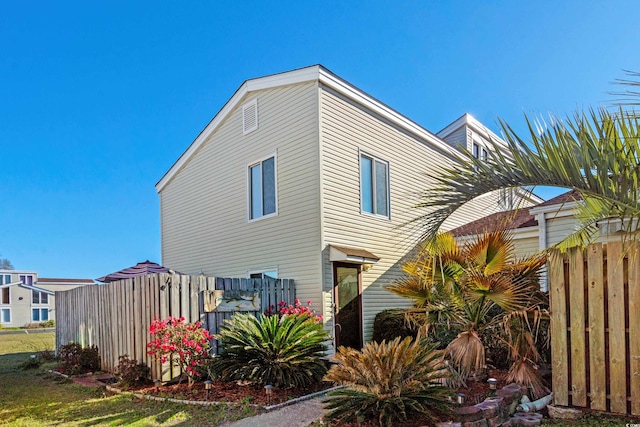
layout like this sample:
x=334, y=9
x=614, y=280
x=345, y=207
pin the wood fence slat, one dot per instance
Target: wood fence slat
x=617, y=339
x=634, y=327
x=558, y=327
x=577, y=321
x=595, y=274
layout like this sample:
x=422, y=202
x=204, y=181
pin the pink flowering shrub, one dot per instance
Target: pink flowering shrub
x=296, y=309
x=176, y=341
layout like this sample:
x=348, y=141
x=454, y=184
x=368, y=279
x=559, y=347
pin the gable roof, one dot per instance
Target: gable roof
x=514, y=219
x=475, y=125
x=313, y=73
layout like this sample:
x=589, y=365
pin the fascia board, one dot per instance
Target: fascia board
x=341, y=86
x=37, y=289
x=321, y=74
x=282, y=79
x=561, y=209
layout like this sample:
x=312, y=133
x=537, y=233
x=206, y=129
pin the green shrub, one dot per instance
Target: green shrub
x=31, y=363
x=48, y=324
x=391, y=324
x=131, y=372
x=69, y=355
x=279, y=350
x=90, y=359
x=388, y=382
x=76, y=359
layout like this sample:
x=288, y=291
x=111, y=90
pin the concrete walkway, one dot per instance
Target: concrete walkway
x=299, y=414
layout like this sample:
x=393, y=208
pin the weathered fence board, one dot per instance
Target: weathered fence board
x=116, y=317
x=603, y=359
x=576, y=310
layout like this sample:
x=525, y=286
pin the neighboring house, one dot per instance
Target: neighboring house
x=26, y=299
x=538, y=227
x=302, y=175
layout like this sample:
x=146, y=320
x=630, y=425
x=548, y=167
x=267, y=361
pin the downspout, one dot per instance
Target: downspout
x=542, y=245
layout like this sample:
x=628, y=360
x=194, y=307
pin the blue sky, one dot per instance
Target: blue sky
x=98, y=99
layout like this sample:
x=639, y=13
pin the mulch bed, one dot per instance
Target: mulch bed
x=230, y=392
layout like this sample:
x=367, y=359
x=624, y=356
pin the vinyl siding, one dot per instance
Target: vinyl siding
x=204, y=210
x=347, y=129
x=526, y=246
x=458, y=138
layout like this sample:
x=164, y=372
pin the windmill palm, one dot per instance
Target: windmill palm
x=478, y=288
x=596, y=153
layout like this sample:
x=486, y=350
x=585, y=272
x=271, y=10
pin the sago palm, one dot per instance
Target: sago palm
x=475, y=288
x=279, y=350
x=388, y=382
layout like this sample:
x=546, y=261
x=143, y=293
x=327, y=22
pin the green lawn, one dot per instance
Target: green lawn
x=36, y=398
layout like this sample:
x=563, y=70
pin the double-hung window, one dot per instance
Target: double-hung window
x=38, y=312
x=262, y=188
x=374, y=185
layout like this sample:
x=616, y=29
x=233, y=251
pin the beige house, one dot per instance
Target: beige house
x=301, y=175
x=26, y=299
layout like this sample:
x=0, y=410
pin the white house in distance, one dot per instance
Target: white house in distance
x=302, y=175
x=26, y=299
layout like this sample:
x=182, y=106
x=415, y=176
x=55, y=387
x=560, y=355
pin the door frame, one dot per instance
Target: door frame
x=336, y=325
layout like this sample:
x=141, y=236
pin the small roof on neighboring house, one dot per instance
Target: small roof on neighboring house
x=140, y=269
x=514, y=219
x=343, y=253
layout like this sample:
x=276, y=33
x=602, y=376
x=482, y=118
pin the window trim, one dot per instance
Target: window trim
x=249, y=187
x=39, y=303
x=10, y=315
x=4, y=304
x=40, y=311
x=374, y=159
x=262, y=271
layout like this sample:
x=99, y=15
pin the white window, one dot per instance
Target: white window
x=271, y=274
x=5, y=279
x=5, y=315
x=262, y=189
x=39, y=314
x=476, y=150
x=374, y=185
x=250, y=117
x=39, y=298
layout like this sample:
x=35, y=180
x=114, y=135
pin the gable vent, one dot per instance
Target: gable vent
x=250, y=116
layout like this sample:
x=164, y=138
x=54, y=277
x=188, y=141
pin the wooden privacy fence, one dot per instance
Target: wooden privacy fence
x=595, y=327
x=115, y=317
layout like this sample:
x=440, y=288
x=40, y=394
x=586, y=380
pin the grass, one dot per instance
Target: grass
x=36, y=398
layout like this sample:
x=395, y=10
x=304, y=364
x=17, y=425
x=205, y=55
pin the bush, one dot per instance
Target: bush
x=177, y=341
x=48, y=324
x=389, y=382
x=76, y=359
x=31, y=363
x=131, y=372
x=90, y=359
x=391, y=324
x=279, y=350
x=69, y=355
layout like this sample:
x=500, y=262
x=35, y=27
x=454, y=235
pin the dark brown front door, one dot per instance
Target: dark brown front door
x=347, y=291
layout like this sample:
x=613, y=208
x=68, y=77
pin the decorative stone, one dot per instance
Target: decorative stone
x=449, y=424
x=510, y=393
x=489, y=408
x=507, y=423
x=526, y=419
x=563, y=412
x=467, y=414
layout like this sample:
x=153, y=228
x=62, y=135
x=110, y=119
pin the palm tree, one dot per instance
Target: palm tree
x=478, y=288
x=596, y=153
